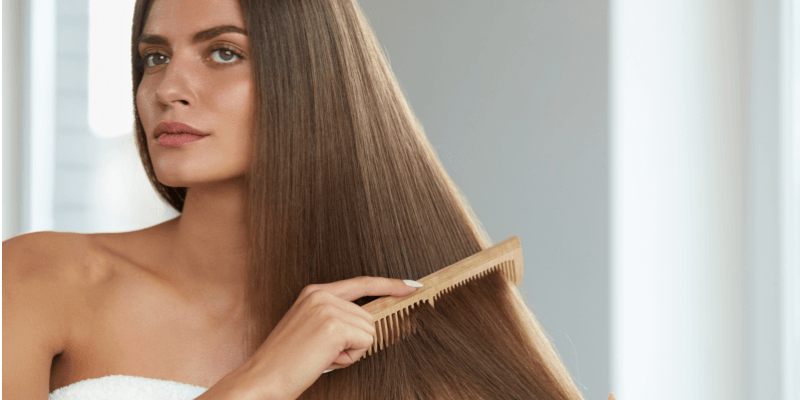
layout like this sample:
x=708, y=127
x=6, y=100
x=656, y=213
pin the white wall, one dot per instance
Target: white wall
x=701, y=220
x=678, y=123
x=57, y=175
x=12, y=115
x=29, y=106
x=789, y=194
x=763, y=335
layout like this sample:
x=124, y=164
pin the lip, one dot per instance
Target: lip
x=176, y=127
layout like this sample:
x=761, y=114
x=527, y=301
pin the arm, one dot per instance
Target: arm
x=235, y=386
x=34, y=326
x=243, y=383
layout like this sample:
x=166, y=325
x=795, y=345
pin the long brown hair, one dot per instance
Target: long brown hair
x=344, y=183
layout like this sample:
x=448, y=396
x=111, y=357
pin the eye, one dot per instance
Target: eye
x=226, y=55
x=145, y=61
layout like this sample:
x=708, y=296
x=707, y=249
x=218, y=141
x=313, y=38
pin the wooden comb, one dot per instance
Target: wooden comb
x=391, y=313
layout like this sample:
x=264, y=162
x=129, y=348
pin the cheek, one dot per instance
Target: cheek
x=236, y=102
x=238, y=97
x=142, y=108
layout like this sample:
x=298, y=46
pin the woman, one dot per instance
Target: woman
x=306, y=188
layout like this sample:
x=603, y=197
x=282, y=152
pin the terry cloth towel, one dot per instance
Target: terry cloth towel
x=125, y=387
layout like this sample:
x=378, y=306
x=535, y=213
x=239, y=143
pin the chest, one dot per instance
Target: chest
x=134, y=325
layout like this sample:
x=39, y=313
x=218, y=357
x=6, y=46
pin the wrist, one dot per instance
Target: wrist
x=227, y=389
x=250, y=383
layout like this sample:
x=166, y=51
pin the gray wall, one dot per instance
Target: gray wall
x=514, y=97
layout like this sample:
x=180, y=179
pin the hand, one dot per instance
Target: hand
x=322, y=330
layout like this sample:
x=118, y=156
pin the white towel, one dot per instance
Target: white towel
x=125, y=387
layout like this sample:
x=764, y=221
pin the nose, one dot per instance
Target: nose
x=175, y=88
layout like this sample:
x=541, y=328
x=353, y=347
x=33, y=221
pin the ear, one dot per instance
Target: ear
x=611, y=396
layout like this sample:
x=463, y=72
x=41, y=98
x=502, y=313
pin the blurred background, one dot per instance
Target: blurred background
x=647, y=154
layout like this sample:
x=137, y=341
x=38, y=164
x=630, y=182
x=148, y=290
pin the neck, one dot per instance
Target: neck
x=209, y=238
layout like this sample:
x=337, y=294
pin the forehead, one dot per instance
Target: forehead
x=185, y=17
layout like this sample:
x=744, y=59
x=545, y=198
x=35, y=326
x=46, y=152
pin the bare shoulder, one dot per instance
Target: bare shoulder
x=47, y=277
x=46, y=268
x=51, y=270
x=39, y=277
x=35, y=257
x=54, y=261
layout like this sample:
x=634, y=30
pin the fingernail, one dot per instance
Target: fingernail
x=409, y=282
x=325, y=372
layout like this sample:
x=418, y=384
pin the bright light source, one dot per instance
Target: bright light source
x=110, y=86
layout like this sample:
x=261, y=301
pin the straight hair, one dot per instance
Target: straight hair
x=343, y=182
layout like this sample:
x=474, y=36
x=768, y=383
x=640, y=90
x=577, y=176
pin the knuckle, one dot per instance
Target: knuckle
x=366, y=315
x=327, y=311
x=333, y=326
x=318, y=296
x=309, y=289
x=365, y=341
x=323, y=312
x=387, y=281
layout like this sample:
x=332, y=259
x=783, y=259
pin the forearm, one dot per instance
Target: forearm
x=224, y=390
x=241, y=384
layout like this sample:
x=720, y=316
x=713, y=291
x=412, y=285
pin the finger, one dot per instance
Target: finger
x=340, y=325
x=355, y=288
x=360, y=342
x=324, y=298
x=358, y=321
x=355, y=309
x=353, y=342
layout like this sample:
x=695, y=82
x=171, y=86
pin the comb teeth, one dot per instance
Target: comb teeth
x=392, y=314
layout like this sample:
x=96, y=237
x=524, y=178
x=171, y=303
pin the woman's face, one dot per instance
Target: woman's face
x=197, y=72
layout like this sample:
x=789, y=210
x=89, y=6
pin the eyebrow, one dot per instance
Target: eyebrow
x=201, y=36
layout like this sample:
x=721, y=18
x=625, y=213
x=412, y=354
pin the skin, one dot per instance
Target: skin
x=211, y=90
